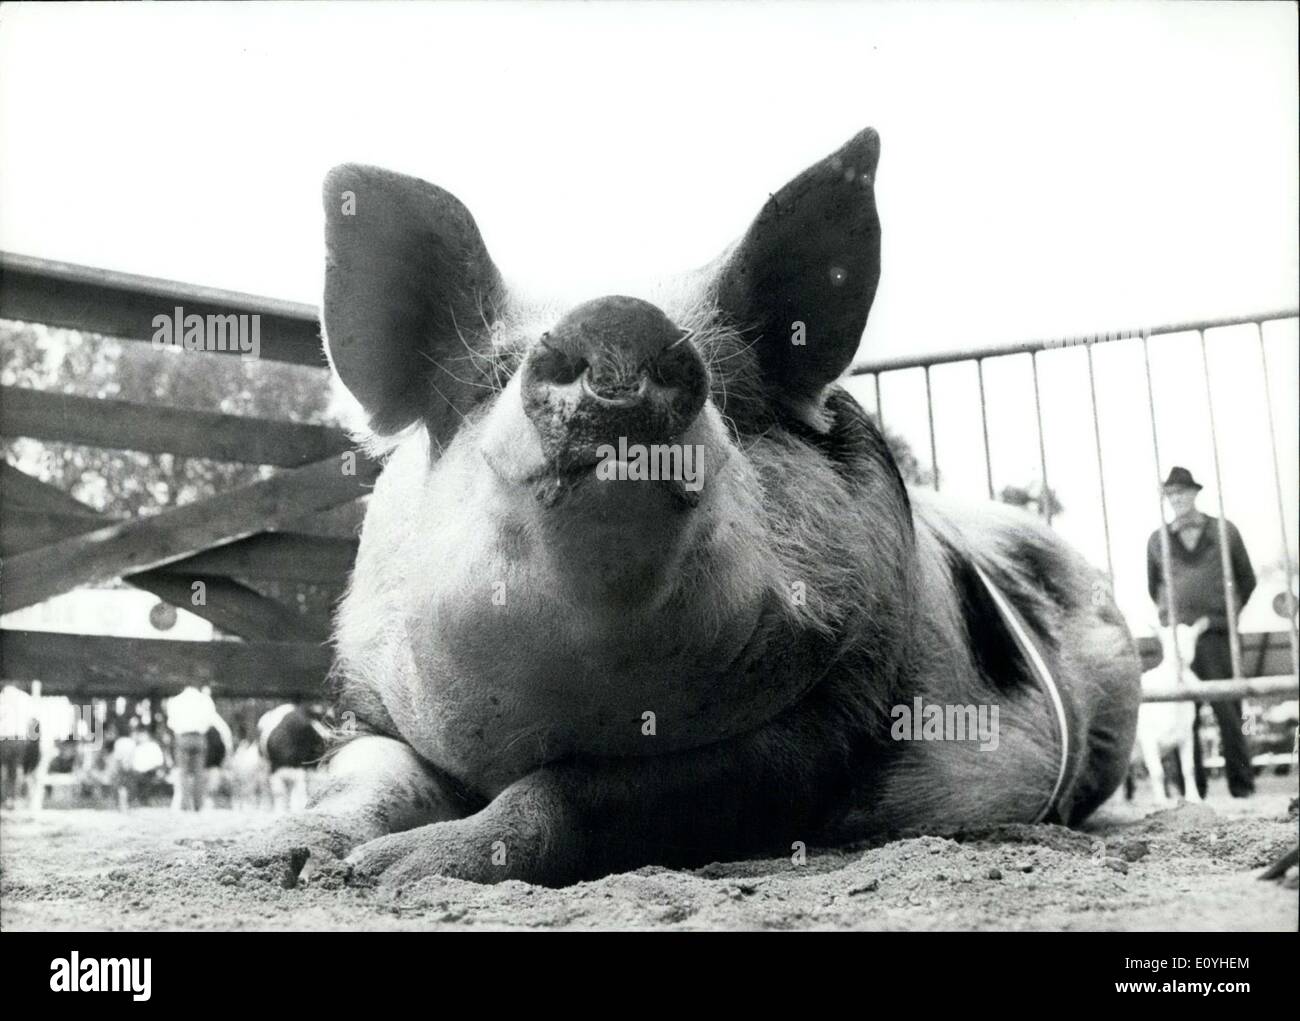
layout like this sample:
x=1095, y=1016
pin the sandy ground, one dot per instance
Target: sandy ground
x=1187, y=868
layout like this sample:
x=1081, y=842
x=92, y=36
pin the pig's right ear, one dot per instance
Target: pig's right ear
x=408, y=283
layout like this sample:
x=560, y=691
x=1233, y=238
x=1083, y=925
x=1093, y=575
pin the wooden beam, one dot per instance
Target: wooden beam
x=154, y=429
x=35, y=513
x=20, y=489
x=267, y=556
x=124, y=305
x=229, y=604
x=341, y=522
x=128, y=547
x=235, y=607
x=276, y=556
x=25, y=528
x=89, y=665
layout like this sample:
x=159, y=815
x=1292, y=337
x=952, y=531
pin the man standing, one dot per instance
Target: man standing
x=1196, y=570
x=189, y=715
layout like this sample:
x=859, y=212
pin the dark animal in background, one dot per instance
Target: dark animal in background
x=291, y=738
x=216, y=749
x=555, y=674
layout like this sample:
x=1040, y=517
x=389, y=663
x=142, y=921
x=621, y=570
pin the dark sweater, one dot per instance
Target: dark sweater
x=1198, y=575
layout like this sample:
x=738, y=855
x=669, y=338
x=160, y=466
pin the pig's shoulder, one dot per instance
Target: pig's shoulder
x=1020, y=552
x=960, y=546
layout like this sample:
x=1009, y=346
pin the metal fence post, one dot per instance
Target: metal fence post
x=1225, y=554
x=1166, y=561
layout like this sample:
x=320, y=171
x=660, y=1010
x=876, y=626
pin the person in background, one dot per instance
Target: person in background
x=1196, y=569
x=122, y=765
x=189, y=715
x=20, y=746
x=148, y=761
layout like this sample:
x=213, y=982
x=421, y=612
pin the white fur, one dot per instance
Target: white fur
x=1165, y=726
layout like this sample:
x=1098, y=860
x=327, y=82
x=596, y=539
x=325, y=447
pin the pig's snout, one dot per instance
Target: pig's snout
x=614, y=368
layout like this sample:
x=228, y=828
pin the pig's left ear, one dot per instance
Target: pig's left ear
x=408, y=284
x=804, y=275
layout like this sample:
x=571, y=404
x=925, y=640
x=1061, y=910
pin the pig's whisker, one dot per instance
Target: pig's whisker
x=453, y=407
x=493, y=353
x=734, y=354
x=466, y=382
x=477, y=356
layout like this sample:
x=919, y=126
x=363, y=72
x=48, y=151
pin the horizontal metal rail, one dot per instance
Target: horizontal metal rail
x=970, y=354
x=1223, y=691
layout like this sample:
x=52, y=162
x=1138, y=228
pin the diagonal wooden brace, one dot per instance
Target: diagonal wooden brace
x=128, y=547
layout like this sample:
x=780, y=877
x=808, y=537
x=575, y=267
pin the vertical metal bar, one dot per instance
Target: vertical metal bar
x=880, y=408
x=1101, y=473
x=984, y=424
x=1166, y=561
x=1225, y=554
x=1291, y=630
x=929, y=411
x=1042, y=442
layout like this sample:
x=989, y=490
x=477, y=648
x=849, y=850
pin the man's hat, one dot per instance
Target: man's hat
x=1181, y=478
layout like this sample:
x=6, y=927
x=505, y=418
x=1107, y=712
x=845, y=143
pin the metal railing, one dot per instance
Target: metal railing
x=1239, y=686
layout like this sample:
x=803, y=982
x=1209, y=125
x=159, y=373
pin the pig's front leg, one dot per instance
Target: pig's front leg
x=376, y=785
x=562, y=824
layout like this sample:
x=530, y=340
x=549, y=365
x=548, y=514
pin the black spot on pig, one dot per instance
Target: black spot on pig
x=994, y=649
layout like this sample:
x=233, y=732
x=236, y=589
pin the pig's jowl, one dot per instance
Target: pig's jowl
x=557, y=674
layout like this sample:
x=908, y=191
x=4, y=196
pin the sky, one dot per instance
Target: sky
x=1046, y=169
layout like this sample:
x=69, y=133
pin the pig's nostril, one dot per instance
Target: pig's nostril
x=618, y=396
x=611, y=367
x=560, y=367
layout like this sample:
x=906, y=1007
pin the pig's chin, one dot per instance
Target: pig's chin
x=601, y=490
x=612, y=541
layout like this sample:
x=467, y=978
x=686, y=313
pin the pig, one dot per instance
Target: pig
x=1167, y=726
x=291, y=739
x=555, y=669
x=249, y=777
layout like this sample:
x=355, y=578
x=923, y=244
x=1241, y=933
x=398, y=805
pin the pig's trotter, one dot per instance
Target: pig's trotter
x=567, y=823
x=527, y=833
x=376, y=786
